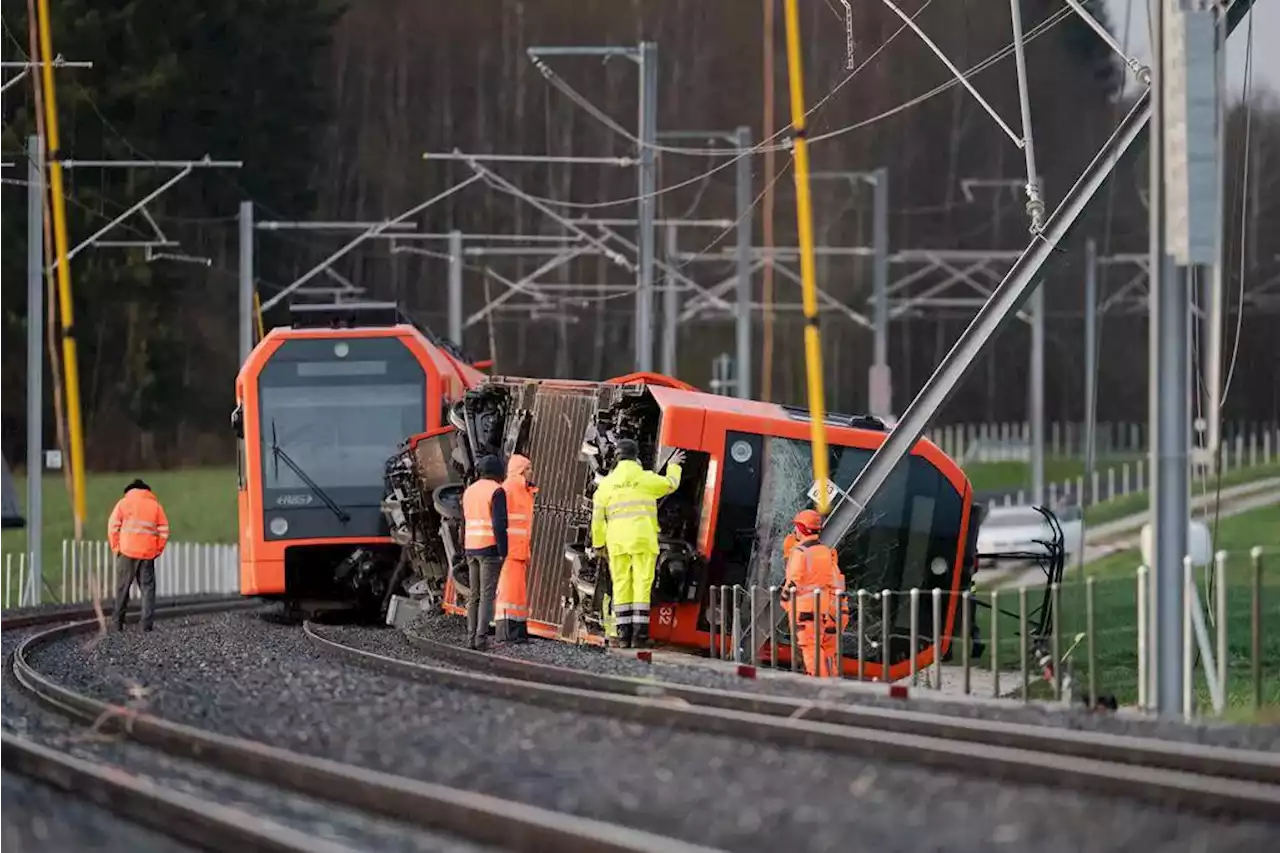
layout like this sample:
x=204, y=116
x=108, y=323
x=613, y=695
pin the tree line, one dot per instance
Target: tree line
x=332, y=106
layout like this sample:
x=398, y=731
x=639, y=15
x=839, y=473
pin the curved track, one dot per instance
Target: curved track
x=475, y=817
x=185, y=818
x=1212, y=779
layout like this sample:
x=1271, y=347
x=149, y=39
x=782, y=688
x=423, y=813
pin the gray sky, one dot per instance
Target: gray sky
x=1266, y=35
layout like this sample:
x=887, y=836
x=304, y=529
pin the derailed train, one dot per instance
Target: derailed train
x=747, y=472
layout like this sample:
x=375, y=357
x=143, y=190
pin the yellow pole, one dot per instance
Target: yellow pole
x=257, y=313
x=74, y=424
x=804, y=225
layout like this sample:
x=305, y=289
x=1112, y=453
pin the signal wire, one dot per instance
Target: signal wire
x=735, y=154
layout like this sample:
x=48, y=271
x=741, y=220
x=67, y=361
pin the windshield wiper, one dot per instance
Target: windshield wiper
x=278, y=454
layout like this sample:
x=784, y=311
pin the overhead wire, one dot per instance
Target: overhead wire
x=1243, y=190
x=736, y=154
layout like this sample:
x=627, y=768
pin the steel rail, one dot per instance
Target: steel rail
x=469, y=815
x=1219, y=762
x=884, y=735
x=201, y=823
x=173, y=607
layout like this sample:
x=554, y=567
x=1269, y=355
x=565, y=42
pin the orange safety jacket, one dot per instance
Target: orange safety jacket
x=484, y=532
x=813, y=567
x=519, y=508
x=138, y=527
x=787, y=545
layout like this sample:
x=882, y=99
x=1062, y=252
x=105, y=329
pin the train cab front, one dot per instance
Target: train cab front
x=914, y=536
x=319, y=412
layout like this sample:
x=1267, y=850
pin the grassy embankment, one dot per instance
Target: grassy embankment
x=1115, y=618
x=200, y=503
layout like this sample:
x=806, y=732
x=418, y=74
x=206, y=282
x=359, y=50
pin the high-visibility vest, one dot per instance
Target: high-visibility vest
x=477, y=510
x=138, y=527
x=787, y=545
x=624, y=511
x=519, y=516
x=813, y=567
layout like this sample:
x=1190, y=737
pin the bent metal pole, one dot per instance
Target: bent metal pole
x=804, y=227
x=1005, y=300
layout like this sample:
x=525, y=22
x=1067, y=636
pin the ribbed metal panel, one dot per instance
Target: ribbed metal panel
x=559, y=425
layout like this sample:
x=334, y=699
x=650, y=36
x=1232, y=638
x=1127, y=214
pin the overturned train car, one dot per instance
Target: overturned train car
x=748, y=471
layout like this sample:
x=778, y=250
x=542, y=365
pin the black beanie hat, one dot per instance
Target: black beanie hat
x=628, y=449
x=136, y=484
x=490, y=467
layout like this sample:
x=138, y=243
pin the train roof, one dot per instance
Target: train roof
x=668, y=397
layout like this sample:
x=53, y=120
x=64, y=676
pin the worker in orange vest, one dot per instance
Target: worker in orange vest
x=484, y=511
x=812, y=566
x=512, y=607
x=137, y=531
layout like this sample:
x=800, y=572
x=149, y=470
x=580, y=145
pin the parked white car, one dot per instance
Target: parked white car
x=1017, y=528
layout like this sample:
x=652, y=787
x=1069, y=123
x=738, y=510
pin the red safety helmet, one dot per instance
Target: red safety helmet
x=808, y=522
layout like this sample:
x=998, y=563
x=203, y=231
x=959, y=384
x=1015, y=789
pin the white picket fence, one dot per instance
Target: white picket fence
x=185, y=568
x=1002, y=442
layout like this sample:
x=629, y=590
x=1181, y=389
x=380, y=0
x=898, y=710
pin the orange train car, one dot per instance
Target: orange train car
x=319, y=407
x=748, y=471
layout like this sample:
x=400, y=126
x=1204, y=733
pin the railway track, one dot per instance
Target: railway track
x=478, y=818
x=1214, y=780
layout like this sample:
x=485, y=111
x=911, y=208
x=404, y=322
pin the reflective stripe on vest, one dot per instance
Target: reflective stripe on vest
x=642, y=508
x=477, y=509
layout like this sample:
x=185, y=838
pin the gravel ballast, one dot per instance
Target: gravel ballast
x=703, y=673
x=38, y=817
x=25, y=717
x=239, y=675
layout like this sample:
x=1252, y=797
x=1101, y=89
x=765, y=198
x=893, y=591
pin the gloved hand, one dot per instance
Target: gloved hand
x=592, y=553
x=677, y=458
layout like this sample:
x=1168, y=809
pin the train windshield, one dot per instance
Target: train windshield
x=338, y=409
x=908, y=538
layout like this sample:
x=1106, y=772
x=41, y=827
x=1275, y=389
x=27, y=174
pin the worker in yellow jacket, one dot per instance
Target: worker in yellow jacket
x=624, y=520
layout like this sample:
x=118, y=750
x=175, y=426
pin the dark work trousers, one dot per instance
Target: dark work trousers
x=483, y=575
x=128, y=570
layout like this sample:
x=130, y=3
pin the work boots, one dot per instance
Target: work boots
x=624, y=637
x=640, y=637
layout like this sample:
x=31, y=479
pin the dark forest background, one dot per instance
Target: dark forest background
x=331, y=107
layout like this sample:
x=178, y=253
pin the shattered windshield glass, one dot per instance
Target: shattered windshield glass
x=911, y=522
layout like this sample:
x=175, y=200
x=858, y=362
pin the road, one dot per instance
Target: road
x=1123, y=533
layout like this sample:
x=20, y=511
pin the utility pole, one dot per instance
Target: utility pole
x=648, y=58
x=1184, y=234
x=742, y=317
x=1036, y=395
x=880, y=380
x=1090, y=359
x=670, y=301
x=35, y=359
x=455, y=286
x=246, y=279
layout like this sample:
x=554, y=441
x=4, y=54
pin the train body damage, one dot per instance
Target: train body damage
x=320, y=406
x=748, y=470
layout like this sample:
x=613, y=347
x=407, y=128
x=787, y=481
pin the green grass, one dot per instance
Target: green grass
x=1137, y=502
x=200, y=503
x=1115, y=618
x=1012, y=476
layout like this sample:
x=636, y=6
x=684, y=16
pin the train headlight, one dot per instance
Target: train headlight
x=938, y=565
x=341, y=349
x=279, y=526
